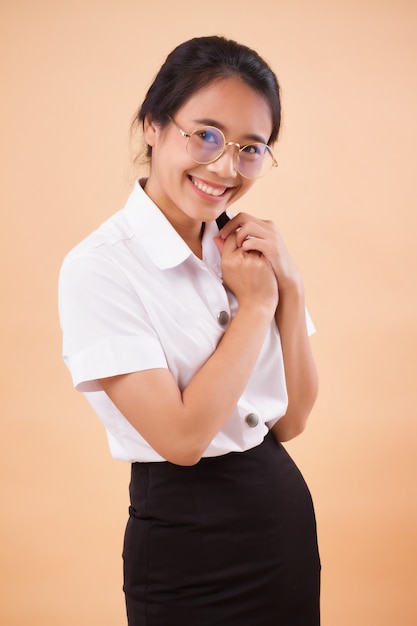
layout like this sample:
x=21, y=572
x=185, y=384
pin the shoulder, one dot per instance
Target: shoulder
x=112, y=231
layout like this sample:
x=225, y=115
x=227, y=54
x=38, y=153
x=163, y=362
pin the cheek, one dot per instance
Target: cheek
x=163, y=142
x=240, y=192
x=246, y=186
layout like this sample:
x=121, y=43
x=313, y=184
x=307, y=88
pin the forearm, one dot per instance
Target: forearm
x=300, y=370
x=213, y=393
x=181, y=425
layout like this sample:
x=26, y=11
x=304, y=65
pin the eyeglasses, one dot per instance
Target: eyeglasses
x=207, y=144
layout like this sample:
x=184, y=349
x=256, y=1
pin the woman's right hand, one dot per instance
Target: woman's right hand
x=248, y=274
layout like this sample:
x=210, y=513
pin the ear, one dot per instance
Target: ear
x=149, y=130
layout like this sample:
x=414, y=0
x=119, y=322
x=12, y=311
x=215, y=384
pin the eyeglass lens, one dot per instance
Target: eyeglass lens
x=205, y=145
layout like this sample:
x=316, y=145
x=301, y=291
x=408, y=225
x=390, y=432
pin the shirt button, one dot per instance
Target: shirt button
x=252, y=420
x=223, y=318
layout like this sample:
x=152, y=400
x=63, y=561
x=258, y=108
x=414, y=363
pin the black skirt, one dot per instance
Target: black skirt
x=230, y=541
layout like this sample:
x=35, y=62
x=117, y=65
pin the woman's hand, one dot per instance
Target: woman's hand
x=248, y=274
x=256, y=235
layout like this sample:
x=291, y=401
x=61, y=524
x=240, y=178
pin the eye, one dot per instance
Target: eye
x=210, y=136
x=254, y=149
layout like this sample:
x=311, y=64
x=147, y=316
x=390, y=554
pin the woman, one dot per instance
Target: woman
x=186, y=329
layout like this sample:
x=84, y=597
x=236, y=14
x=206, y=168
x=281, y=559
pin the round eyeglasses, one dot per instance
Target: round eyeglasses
x=207, y=144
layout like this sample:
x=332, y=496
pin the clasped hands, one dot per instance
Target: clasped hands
x=253, y=251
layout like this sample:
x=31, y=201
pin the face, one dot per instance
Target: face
x=187, y=192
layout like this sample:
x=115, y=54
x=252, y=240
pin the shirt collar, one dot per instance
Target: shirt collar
x=155, y=233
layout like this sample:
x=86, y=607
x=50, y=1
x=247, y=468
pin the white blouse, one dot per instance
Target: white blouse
x=133, y=296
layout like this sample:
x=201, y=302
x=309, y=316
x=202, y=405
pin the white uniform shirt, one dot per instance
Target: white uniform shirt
x=132, y=297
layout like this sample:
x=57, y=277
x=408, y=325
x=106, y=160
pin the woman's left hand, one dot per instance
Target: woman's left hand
x=263, y=236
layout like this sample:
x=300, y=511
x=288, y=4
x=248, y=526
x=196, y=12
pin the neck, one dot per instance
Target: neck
x=189, y=229
x=194, y=240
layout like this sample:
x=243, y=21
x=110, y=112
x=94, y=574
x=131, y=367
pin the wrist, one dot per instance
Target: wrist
x=292, y=285
x=258, y=310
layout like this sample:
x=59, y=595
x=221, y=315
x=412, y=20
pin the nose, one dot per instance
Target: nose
x=226, y=165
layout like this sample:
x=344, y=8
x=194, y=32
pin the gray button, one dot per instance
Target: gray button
x=223, y=318
x=252, y=420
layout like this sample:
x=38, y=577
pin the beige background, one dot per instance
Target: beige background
x=72, y=75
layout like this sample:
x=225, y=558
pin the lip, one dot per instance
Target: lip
x=207, y=189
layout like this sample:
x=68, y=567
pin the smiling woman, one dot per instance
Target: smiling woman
x=217, y=180
x=187, y=331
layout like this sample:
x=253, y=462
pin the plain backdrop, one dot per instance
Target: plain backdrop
x=344, y=196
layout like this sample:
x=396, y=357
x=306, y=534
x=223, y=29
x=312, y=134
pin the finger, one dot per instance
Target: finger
x=219, y=243
x=233, y=224
x=229, y=244
x=247, y=228
x=244, y=232
x=253, y=243
x=262, y=246
x=248, y=231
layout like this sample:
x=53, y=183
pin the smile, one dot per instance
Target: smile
x=211, y=191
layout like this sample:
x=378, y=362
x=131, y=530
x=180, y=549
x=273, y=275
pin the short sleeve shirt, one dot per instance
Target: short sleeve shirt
x=133, y=297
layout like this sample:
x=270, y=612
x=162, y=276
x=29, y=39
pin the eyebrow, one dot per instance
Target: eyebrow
x=209, y=122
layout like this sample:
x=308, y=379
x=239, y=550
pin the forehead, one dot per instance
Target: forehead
x=230, y=104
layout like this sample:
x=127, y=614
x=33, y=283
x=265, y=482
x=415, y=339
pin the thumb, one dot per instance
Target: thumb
x=219, y=243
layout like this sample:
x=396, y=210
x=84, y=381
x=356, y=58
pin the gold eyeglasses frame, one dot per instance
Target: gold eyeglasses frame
x=274, y=162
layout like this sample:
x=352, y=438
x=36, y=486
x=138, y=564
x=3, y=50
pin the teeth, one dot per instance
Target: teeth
x=211, y=191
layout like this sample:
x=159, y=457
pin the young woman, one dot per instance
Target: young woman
x=186, y=328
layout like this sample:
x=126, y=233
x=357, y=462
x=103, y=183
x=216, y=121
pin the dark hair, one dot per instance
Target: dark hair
x=198, y=62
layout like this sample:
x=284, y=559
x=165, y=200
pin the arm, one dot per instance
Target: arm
x=300, y=371
x=180, y=425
